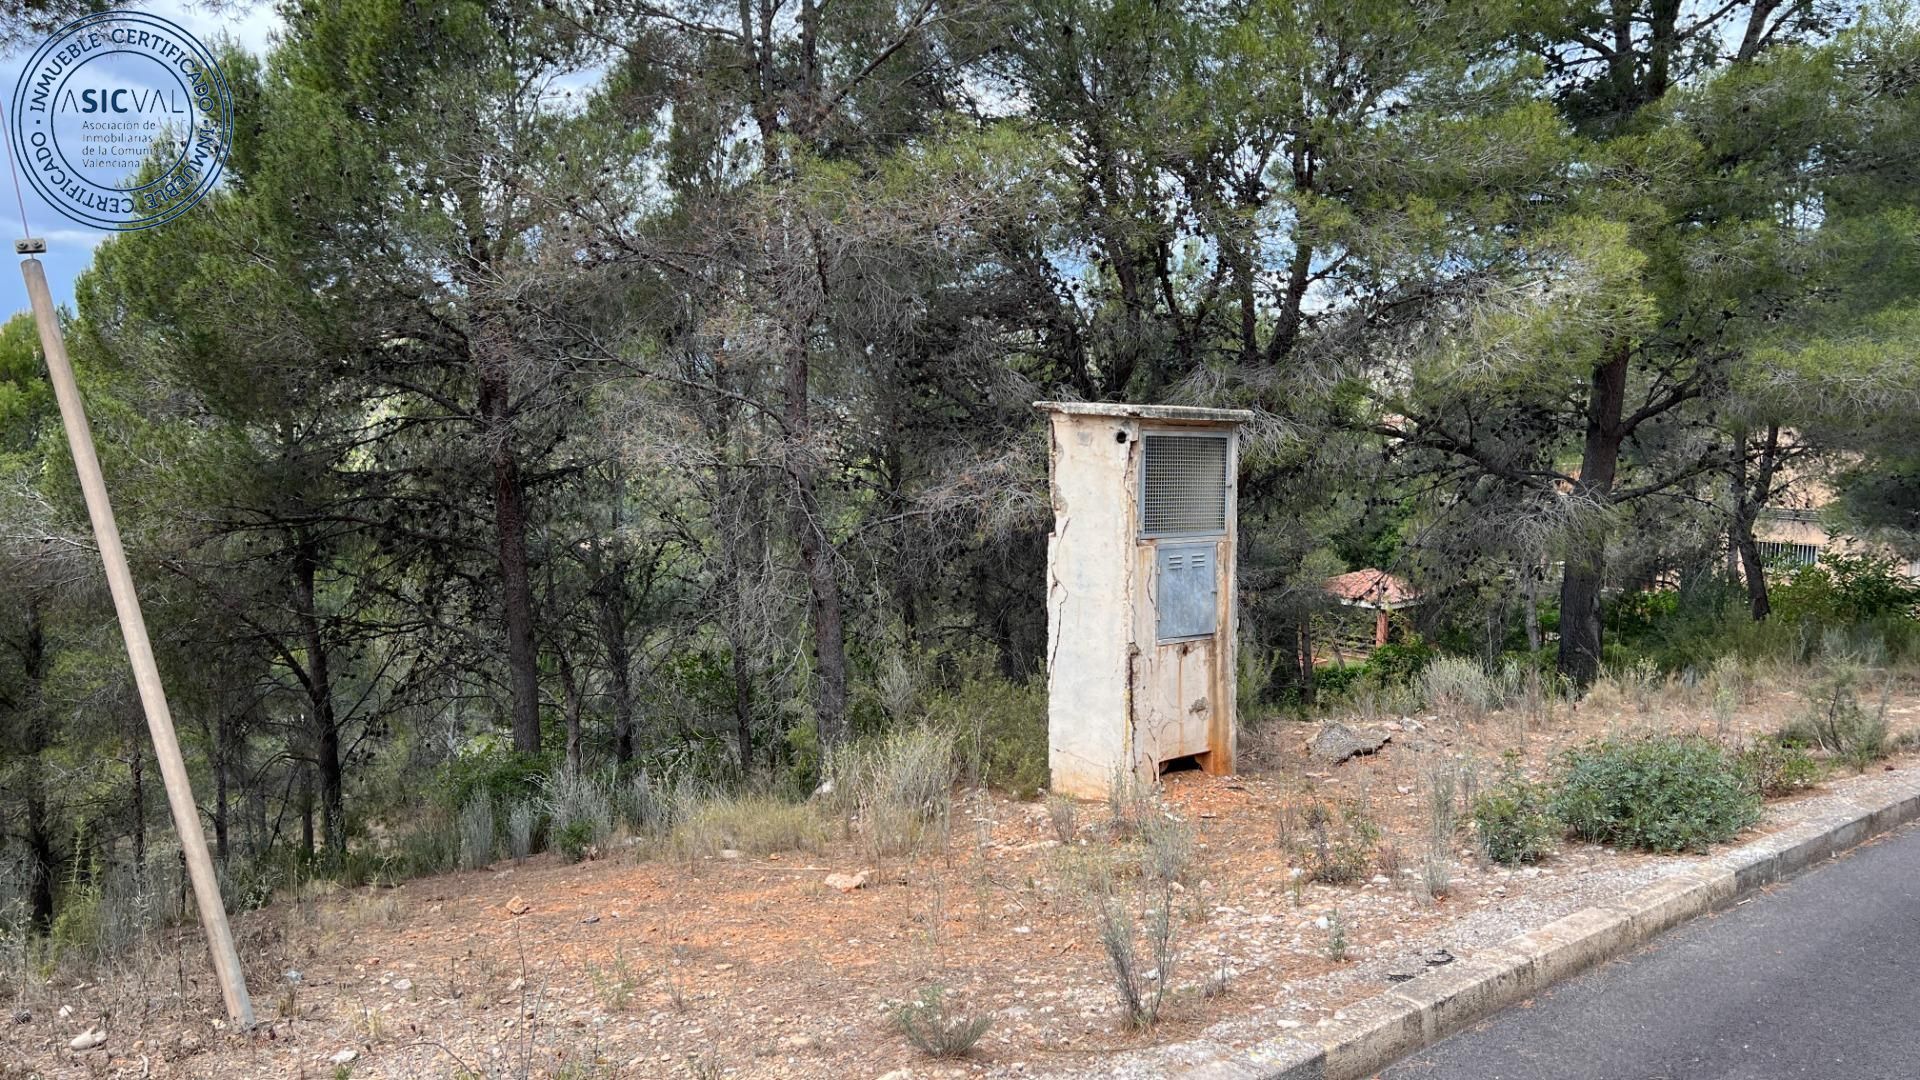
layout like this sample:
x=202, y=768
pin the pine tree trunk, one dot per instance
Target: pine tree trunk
x=816, y=556
x=1303, y=657
x=1532, y=572
x=743, y=704
x=570, y=685
x=510, y=531
x=1759, y=603
x=306, y=812
x=609, y=594
x=319, y=686
x=1585, y=575
x=222, y=746
x=1748, y=501
x=42, y=859
x=137, y=802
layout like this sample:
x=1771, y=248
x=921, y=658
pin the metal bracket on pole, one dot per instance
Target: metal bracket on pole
x=133, y=627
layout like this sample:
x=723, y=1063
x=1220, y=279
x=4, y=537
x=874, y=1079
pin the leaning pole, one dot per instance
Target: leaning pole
x=133, y=627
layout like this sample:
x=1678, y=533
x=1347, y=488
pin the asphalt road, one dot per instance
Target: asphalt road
x=1818, y=978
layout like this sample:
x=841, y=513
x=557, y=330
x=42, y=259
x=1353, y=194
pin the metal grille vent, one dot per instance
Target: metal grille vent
x=1184, y=484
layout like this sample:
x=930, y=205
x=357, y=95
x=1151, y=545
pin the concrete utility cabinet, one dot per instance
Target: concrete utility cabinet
x=1140, y=591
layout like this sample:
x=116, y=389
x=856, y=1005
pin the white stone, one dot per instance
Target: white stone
x=846, y=883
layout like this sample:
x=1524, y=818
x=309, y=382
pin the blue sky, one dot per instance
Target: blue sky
x=69, y=245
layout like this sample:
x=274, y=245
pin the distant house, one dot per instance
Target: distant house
x=1368, y=590
x=1797, y=533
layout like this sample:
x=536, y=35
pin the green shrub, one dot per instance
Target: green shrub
x=938, y=1030
x=1002, y=731
x=1846, y=589
x=1400, y=663
x=1664, y=793
x=80, y=921
x=574, y=839
x=250, y=883
x=1338, y=679
x=1867, y=598
x=1779, y=768
x=430, y=846
x=492, y=767
x=1515, y=822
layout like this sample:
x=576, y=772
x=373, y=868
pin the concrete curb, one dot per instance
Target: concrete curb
x=1381, y=1030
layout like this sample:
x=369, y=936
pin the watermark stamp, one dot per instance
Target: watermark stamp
x=122, y=120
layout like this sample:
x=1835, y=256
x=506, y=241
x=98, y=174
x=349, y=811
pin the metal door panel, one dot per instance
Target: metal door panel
x=1187, y=591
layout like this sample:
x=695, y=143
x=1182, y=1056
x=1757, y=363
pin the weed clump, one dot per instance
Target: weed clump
x=1064, y=814
x=897, y=790
x=579, y=812
x=1443, y=821
x=1337, y=944
x=1337, y=843
x=1130, y=804
x=1166, y=848
x=1777, y=769
x=1458, y=684
x=1836, y=723
x=937, y=1029
x=523, y=823
x=1141, y=990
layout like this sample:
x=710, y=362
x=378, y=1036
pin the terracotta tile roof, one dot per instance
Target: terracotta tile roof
x=1370, y=587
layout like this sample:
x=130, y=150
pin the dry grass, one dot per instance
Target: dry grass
x=896, y=792
x=748, y=824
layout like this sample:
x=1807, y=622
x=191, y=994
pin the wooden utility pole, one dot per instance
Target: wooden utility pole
x=133, y=627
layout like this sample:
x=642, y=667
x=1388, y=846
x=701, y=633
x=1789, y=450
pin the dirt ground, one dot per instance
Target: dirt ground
x=754, y=967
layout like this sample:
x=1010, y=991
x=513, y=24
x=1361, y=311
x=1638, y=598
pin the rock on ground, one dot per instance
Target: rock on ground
x=1336, y=742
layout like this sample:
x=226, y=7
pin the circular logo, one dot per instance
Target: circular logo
x=122, y=120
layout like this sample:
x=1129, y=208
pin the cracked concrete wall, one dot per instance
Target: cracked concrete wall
x=1090, y=588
